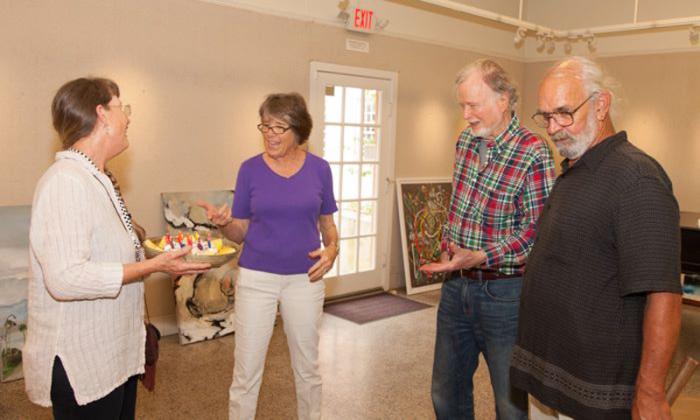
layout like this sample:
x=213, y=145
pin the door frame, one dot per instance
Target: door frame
x=386, y=186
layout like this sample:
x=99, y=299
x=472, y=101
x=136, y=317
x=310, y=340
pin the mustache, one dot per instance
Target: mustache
x=561, y=136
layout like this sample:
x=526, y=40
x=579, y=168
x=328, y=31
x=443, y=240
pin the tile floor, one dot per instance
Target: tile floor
x=379, y=370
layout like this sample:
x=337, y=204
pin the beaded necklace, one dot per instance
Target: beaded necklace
x=121, y=208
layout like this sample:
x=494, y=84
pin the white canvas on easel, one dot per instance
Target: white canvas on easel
x=14, y=280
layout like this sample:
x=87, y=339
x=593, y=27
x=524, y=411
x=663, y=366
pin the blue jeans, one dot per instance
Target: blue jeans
x=476, y=316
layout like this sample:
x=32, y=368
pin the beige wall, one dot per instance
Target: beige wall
x=659, y=109
x=195, y=74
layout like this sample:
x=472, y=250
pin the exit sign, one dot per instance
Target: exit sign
x=361, y=20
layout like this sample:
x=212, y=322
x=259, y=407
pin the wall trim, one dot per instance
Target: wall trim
x=552, y=58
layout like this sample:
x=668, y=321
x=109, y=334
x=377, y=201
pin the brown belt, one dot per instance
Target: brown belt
x=478, y=274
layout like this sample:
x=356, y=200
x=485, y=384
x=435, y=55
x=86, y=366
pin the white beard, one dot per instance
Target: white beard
x=574, y=147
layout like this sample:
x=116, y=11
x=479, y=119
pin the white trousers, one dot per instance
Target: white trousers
x=301, y=306
x=539, y=411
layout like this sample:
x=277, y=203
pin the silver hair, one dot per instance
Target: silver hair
x=594, y=79
x=495, y=78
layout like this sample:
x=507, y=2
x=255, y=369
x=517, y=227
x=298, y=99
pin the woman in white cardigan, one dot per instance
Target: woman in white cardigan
x=85, y=335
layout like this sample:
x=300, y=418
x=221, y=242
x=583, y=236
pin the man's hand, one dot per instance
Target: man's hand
x=650, y=405
x=456, y=259
x=662, y=324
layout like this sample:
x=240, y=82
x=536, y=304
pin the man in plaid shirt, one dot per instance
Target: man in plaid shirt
x=502, y=177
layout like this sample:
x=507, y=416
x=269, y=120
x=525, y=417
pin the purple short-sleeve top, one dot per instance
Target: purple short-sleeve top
x=283, y=214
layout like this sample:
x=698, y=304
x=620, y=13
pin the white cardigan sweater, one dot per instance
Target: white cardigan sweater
x=78, y=308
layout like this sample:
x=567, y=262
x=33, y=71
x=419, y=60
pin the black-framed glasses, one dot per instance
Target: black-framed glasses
x=562, y=118
x=276, y=129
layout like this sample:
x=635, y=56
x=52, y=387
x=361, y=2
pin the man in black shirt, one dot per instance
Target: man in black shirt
x=600, y=306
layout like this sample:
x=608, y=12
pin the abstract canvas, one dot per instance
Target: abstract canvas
x=14, y=277
x=203, y=302
x=423, y=209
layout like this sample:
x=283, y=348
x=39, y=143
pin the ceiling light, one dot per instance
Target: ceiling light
x=694, y=35
x=520, y=35
x=549, y=40
x=540, y=41
x=589, y=37
x=567, y=46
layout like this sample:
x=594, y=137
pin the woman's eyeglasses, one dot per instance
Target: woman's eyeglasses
x=276, y=129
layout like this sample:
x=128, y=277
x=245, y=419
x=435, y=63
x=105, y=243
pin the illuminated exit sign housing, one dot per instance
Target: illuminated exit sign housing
x=361, y=20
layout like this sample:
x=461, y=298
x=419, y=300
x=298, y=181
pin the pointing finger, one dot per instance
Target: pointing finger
x=203, y=204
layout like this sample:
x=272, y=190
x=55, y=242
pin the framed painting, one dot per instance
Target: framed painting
x=203, y=302
x=14, y=278
x=423, y=209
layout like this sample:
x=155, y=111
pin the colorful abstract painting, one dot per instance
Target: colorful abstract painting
x=14, y=277
x=203, y=302
x=423, y=209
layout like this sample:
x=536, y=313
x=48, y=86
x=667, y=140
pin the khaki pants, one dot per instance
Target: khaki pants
x=301, y=306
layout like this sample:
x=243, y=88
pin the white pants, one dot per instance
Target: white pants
x=301, y=306
x=539, y=411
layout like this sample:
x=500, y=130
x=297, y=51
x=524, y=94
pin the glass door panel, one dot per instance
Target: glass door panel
x=354, y=125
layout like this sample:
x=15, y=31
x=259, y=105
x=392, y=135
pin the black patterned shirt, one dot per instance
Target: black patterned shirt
x=609, y=234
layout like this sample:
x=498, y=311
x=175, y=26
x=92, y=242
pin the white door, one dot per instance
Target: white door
x=353, y=114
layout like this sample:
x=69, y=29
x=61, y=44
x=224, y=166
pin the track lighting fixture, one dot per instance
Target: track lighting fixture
x=694, y=34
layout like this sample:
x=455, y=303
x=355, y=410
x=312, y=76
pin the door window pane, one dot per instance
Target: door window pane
x=348, y=256
x=366, y=255
x=334, y=270
x=370, y=144
x=336, y=216
x=368, y=217
x=351, y=182
x=369, y=181
x=349, y=219
x=331, y=143
x=371, y=106
x=333, y=104
x=351, y=144
x=353, y=105
x=335, y=173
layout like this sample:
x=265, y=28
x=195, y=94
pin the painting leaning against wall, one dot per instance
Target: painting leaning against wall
x=203, y=302
x=14, y=277
x=423, y=209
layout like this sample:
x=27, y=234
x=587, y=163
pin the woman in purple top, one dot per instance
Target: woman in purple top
x=282, y=197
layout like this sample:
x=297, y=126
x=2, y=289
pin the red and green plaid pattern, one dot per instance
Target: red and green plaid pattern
x=496, y=210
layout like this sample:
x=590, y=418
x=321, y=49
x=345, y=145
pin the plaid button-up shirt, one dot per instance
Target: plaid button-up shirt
x=495, y=209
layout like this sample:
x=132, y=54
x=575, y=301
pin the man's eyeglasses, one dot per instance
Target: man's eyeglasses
x=562, y=118
x=276, y=129
x=125, y=108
